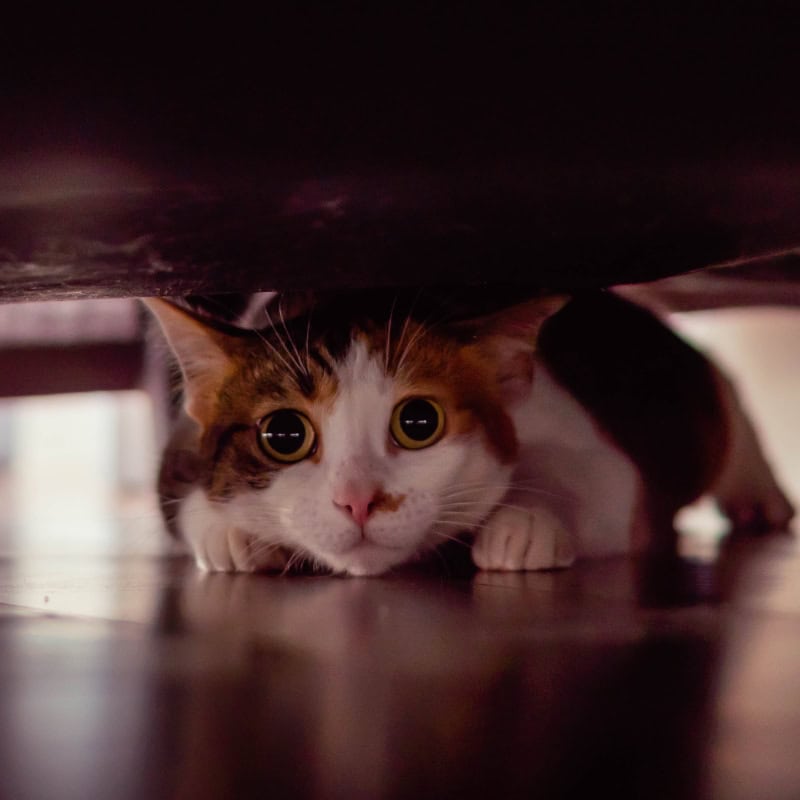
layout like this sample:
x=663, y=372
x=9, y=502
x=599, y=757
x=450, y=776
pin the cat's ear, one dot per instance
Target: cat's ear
x=205, y=354
x=507, y=340
x=522, y=321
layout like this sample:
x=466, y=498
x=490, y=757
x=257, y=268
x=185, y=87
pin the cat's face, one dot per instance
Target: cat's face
x=358, y=441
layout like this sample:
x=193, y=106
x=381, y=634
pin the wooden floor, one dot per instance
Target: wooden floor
x=138, y=677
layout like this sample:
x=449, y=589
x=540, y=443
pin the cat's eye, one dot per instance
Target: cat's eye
x=417, y=422
x=286, y=436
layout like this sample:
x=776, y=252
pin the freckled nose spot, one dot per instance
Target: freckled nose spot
x=388, y=502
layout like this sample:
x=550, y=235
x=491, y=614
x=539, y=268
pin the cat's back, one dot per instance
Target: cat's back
x=652, y=393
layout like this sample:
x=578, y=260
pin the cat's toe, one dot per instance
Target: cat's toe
x=241, y=547
x=522, y=539
x=765, y=510
x=234, y=550
x=212, y=552
x=253, y=554
x=250, y=553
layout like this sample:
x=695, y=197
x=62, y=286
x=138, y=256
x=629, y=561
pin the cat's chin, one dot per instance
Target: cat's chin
x=367, y=559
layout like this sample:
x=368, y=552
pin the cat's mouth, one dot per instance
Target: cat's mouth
x=368, y=558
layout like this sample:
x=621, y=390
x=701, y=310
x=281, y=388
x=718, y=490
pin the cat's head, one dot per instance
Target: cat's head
x=363, y=430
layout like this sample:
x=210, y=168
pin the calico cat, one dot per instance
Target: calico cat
x=360, y=430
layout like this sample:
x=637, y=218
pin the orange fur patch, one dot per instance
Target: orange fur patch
x=465, y=382
x=387, y=502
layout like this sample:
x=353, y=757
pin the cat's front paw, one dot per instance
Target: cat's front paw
x=233, y=550
x=519, y=539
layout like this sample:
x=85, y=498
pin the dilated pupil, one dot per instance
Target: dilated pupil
x=285, y=433
x=419, y=420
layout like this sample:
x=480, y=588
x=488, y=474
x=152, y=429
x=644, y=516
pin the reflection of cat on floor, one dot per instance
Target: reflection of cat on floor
x=357, y=431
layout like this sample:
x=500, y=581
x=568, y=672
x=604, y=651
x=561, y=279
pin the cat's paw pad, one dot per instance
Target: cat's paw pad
x=517, y=539
x=234, y=550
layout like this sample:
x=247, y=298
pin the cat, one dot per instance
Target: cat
x=358, y=431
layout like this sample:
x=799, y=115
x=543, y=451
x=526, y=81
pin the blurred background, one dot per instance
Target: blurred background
x=79, y=433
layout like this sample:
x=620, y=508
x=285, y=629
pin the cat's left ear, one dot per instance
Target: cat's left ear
x=507, y=340
x=206, y=356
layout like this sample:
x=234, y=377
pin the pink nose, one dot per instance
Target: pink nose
x=358, y=503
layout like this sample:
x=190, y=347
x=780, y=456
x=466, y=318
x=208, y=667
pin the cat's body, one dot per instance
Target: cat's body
x=365, y=430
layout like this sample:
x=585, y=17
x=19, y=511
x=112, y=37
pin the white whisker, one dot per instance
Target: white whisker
x=308, y=341
x=424, y=327
x=171, y=502
x=298, y=360
x=508, y=487
x=400, y=343
x=447, y=537
x=291, y=367
x=260, y=548
x=458, y=524
x=459, y=505
x=421, y=331
x=389, y=336
x=296, y=558
x=274, y=350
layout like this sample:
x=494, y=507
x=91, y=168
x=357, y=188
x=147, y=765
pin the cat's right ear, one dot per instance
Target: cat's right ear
x=205, y=354
x=507, y=341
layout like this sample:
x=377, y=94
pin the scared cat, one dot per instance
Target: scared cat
x=360, y=430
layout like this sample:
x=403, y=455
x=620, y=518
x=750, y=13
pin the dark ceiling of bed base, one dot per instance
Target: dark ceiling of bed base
x=542, y=227
x=567, y=148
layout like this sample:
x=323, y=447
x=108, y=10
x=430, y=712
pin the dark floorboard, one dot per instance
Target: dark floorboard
x=139, y=677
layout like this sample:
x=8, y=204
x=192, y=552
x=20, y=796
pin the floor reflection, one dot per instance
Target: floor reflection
x=508, y=685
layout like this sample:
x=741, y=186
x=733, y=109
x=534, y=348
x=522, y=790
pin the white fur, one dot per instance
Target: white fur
x=570, y=468
x=572, y=492
x=446, y=488
x=220, y=546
